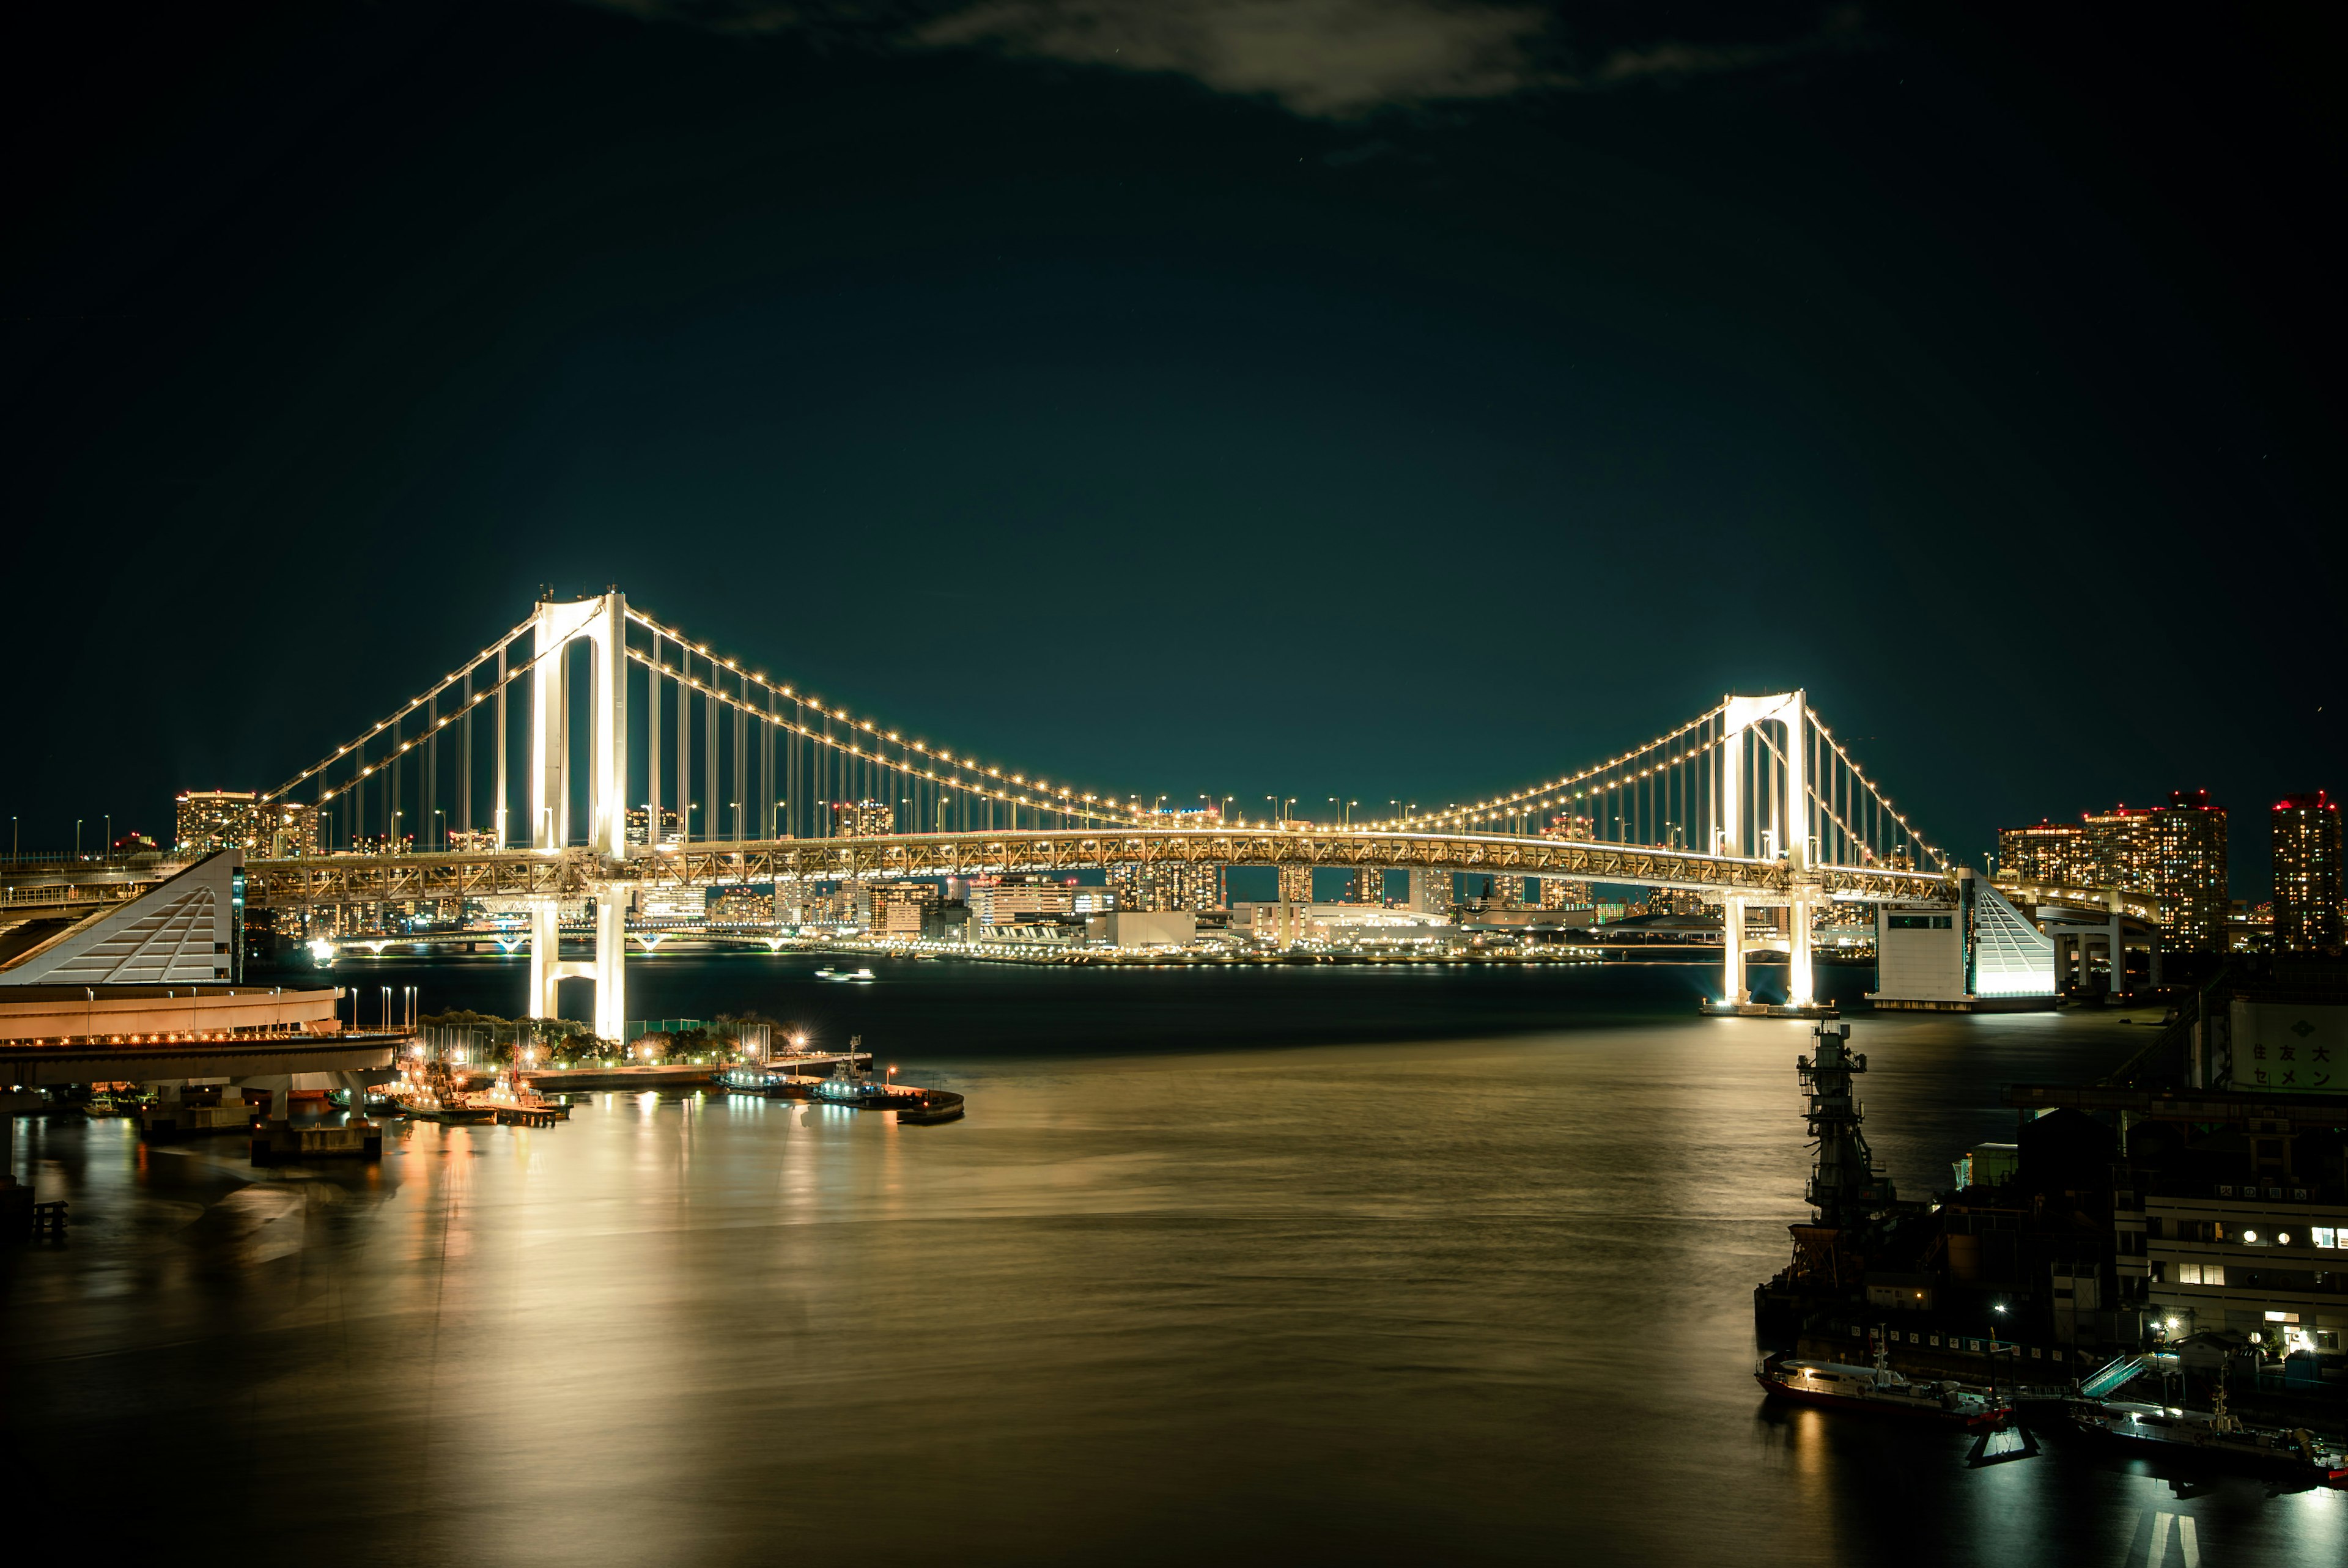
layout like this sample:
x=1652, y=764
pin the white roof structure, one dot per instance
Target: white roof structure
x=2012, y=958
x=182, y=932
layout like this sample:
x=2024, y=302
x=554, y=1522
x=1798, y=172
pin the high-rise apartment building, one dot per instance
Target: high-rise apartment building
x=639, y=824
x=212, y=819
x=1297, y=885
x=862, y=818
x=1370, y=885
x=1431, y=891
x=1507, y=893
x=2054, y=853
x=1556, y=893
x=2177, y=853
x=1166, y=884
x=2306, y=891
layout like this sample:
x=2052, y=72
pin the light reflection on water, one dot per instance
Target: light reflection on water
x=1393, y=1301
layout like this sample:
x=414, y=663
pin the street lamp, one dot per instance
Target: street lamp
x=76, y=838
x=440, y=827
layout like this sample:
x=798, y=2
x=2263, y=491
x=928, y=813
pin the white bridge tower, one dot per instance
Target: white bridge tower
x=1780, y=824
x=603, y=621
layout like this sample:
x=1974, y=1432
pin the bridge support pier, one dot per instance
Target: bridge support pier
x=608, y=968
x=611, y=963
x=1732, y=949
x=1800, y=987
x=545, y=956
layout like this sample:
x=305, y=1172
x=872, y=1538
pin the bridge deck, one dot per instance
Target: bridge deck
x=337, y=880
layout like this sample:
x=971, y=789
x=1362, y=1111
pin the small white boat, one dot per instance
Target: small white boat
x=849, y=976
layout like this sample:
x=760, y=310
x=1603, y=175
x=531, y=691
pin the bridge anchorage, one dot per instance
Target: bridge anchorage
x=693, y=771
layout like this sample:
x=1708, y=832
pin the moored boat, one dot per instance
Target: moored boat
x=1840, y=1385
x=2214, y=1437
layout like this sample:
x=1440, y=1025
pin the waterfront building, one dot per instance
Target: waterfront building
x=2307, y=874
x=742, y=906
x=2052, y=853
x=658, y=906
x=2177, y=853
x=216, y=819
x=473, y=841
x=1504, y=893
x=1131, y=929
x=2255, y=1256
x=1016, y=899
x=898, y=910
x=1297, y=885
x=1431, y=892
x=1033, y=933
x=1370, y=885
x=1339, y=926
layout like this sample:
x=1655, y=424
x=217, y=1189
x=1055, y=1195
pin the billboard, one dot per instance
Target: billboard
x=2290, y=1048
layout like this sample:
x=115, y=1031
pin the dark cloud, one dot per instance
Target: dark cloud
x=1332, y=59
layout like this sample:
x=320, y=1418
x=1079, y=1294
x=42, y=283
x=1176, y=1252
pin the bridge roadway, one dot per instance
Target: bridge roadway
x=239, y=1057
x=330, y=880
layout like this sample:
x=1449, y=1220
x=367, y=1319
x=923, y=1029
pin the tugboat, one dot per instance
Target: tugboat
x=749, y=1078
x=427, y=1091
x=2214, y=1437
x=516, y=1102
x=1878, y=1388
x=852, y=1085
x=849, y=976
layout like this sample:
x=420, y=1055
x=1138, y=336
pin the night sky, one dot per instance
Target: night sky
x=1381, y=398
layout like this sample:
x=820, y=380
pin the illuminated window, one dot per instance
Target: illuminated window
x=2323, y=1236
x=2188, y=1273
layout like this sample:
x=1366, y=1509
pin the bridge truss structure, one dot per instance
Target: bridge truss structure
x=690, y=769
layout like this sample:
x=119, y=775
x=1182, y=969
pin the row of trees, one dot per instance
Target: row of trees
x=565, y=1042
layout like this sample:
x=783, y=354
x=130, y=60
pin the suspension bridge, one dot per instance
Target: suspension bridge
x=518, y=774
